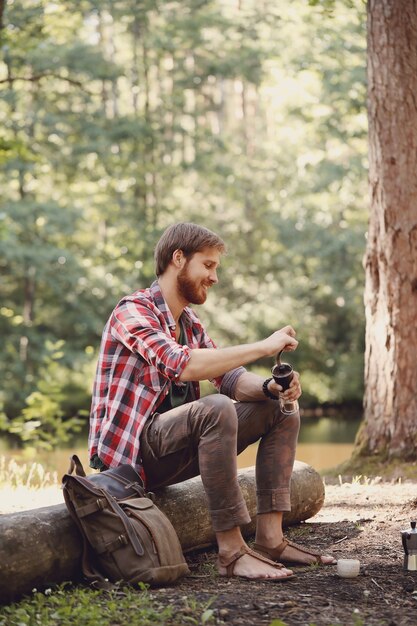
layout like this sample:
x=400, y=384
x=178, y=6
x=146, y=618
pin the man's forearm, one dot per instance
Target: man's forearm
x=206, y=363
x=209, y=363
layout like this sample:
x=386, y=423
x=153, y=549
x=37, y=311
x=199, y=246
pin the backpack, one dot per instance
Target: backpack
x=125, y=536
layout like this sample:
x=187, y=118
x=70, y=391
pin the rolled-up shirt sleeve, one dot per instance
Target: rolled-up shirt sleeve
x=140, y=331
x=229, y=380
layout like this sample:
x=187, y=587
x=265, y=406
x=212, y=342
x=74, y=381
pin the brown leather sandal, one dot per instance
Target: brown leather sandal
x=275, y=554
x=230, y=562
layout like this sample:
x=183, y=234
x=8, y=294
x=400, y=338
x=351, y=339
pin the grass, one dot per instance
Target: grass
x=362, y=469
x=79, y=606
x=29, y=475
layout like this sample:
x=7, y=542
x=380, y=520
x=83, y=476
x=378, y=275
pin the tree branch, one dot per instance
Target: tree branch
x=37, y=77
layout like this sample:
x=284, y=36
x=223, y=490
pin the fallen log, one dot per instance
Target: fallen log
x=42, y=547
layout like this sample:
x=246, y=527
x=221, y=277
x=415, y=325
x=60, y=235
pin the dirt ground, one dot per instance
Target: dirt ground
x=358, y=520
x=361, y=521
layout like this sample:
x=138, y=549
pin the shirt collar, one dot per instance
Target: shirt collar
x=164, y=308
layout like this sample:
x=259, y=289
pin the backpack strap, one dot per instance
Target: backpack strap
x=112, y=545
x=93, y=507
x=137, y=546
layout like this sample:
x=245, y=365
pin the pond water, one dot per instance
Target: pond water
x=323, y=443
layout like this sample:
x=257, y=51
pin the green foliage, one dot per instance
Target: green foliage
x=68, y=605
x=329, y=6
x=48, y=419
x=120, y=118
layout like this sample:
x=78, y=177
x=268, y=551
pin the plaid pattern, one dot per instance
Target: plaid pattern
x=139, y=359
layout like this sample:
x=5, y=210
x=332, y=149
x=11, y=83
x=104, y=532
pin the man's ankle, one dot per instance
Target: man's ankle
x=227, y=549
x=229, y=542
x=269, y=529
x=270, y=541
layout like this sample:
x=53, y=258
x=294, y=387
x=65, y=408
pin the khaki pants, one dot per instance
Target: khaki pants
x=205, y=436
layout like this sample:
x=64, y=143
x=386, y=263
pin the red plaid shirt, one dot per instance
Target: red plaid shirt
x=139, y=358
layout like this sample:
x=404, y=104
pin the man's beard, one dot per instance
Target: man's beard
x=189, y=289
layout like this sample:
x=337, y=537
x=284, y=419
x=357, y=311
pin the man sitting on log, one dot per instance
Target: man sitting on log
x=147, y=410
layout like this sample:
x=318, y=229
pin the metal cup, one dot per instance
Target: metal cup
x=283, y=374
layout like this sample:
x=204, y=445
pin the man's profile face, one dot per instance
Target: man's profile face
x=198, y=275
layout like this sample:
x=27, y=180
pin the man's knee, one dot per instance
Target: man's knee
x=218, y=411
x=272, y=415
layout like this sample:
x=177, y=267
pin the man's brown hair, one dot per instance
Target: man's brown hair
x=185, y=236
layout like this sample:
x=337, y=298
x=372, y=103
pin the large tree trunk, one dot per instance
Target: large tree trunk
x=43, y=546
x=390, y=425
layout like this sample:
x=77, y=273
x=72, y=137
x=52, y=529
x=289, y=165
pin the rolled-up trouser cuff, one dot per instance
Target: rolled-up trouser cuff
x=225, y=519
x=273, y=500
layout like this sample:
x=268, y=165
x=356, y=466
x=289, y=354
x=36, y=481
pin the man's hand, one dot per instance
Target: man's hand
x=292, y=393
x=283, y=339
x=249, y=388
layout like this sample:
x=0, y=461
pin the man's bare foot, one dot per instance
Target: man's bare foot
x=293, y=554
x=248, y=565
x=289, y=552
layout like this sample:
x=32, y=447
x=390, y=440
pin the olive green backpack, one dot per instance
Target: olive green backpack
x=126, y=538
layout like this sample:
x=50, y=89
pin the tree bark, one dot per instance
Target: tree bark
x=390, y=404
x=43, y=547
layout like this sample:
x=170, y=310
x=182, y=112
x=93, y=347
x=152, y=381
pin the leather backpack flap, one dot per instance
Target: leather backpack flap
x=122, y=482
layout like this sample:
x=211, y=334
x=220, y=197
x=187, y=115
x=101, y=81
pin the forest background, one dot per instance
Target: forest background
x=119, y=118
